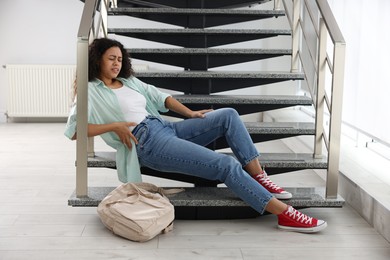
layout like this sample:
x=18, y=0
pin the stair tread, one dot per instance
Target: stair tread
x=280, y=127
x=199, y=31
x=293, y=160
x=219, y=74
x=269, y=160
x=243, y=99
x=199, y=11
x=218, y=197
x=215, y=51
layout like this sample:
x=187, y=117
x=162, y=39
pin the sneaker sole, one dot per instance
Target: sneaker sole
x=282, y=196
x=304, y=230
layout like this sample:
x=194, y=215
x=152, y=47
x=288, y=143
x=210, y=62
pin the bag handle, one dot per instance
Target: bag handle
x=153, y=188
x=139, y=188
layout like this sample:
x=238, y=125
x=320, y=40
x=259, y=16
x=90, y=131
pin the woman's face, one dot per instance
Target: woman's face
x=111, y=63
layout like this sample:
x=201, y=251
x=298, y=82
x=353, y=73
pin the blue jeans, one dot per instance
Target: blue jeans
x=179, y=147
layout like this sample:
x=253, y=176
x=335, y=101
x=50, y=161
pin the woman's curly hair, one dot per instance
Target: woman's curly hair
x=96, y=50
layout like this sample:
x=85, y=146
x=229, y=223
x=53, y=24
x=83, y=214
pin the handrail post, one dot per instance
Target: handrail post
x=101, y=30
x=295, y=36
x=277, y=5
x=84, y=33
x=335, y=120
x=82, y=119
x=114, y=3
x=91, y=147
x=320, y=98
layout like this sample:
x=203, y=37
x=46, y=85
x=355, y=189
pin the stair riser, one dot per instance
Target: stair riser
x=242, y=109
x=201, y=62
x=197, y=21
x=195, y=41
x=208, y=86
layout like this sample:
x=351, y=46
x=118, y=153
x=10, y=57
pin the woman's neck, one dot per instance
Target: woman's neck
x=112, y=83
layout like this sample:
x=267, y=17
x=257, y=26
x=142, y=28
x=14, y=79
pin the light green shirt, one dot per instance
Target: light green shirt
x=103, y=108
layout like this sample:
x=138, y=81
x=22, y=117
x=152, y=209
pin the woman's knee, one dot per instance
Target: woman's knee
x=231, y=168
x=228, y=115
x=229, y=112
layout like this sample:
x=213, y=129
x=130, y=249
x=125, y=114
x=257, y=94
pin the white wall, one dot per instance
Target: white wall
x=45, y=32
x=36, y=32
x=364, y=25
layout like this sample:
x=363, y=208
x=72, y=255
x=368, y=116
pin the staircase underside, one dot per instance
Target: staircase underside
x=203, y=59
x=196, y=18
x=188, y=3
x=216, y=203
x=198, y=38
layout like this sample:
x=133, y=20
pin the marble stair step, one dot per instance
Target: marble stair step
x=275, y=163
x=204, y=58
x=206, y=82
x=216, y=202
x=198, y=38
x=267, y=131
x=196, y=17
x=244, y=104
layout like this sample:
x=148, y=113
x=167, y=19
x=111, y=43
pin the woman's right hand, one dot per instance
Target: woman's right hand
x=124, y=133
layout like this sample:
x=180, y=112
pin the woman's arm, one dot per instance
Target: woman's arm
x=174, y=105
x=120, y=128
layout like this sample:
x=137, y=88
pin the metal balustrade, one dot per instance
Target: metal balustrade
x=304, y=14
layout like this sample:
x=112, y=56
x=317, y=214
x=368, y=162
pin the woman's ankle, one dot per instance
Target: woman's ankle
x=276, y=207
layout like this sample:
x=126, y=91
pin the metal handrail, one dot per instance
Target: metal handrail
x=85, y=35
x=87, y=19
x=330, y=21
x=326, y=25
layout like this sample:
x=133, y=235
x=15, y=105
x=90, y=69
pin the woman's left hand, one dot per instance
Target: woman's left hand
x=172, y=104
x=199, y=114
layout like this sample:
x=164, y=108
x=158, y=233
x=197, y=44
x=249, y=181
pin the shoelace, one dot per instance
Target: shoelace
x=265, y=181
x=298, y=216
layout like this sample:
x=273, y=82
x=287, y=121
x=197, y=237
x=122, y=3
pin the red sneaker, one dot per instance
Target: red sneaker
x=278, y=192
x=293, y=220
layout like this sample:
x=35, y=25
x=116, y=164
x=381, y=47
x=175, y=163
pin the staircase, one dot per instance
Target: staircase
x=198, y=52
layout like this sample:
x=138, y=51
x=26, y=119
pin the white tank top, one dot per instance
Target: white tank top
x=132, y=104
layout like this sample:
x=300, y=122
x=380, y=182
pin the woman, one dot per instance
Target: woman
x=125, y=112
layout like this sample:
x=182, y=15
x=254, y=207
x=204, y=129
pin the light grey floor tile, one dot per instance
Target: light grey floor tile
x=7, y=220
x=287, y=239
x=72, y=243
x=300, y=253
x=37, y=176
x=57, y=219
x=133, y=254
x=41, y=231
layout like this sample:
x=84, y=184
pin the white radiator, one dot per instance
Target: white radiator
x=39, y=90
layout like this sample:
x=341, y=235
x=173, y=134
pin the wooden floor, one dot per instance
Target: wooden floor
x=37, y=176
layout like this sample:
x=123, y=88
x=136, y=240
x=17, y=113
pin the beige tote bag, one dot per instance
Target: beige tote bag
x=137, y=211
